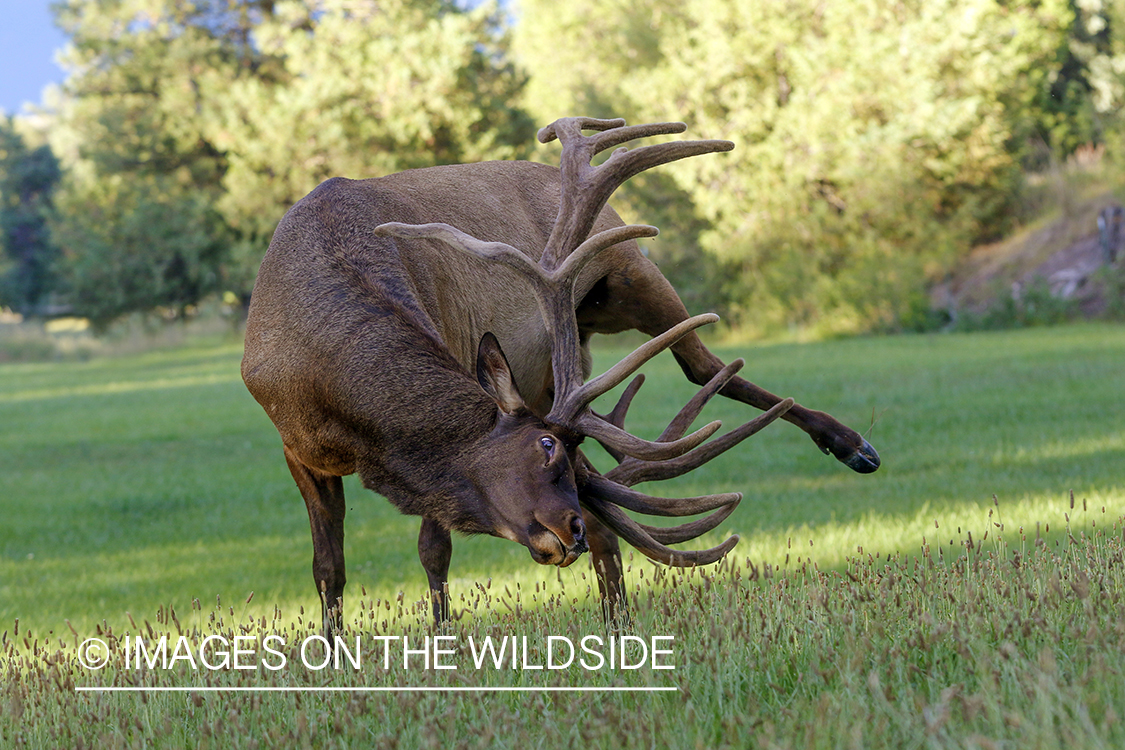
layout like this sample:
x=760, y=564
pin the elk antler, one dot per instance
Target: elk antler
x=585, y=189
x=631, y=470
x=601, y=492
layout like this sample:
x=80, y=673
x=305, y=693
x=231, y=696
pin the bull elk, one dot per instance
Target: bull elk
x=429, y=331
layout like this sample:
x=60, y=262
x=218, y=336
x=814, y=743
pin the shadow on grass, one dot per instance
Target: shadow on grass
x=172, y=487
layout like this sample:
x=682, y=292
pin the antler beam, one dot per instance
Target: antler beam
x=641, y=537
x=586, y=188
x=570, y=249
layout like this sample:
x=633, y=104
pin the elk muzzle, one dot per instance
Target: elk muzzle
x=559, y=543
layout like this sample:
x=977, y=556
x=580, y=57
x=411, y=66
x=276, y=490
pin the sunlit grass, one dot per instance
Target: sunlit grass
x=103, y=389
x=155, y=479
x=960, y=597
x=1010, y=644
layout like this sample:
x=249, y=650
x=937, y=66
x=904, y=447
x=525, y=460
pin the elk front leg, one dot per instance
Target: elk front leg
x=435, y=547
x=605, y=556
x=324, y=498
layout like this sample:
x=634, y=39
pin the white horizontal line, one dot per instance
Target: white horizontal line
x=237, y=689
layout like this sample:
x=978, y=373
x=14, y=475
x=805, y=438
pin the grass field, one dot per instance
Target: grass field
x=864, y=611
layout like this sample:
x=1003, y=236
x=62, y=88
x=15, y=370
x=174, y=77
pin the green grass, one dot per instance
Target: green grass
x=142, y=485
x=991, y=650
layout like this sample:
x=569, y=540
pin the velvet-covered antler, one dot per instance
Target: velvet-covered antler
x=585, y=189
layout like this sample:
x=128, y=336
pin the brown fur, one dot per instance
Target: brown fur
x=360, y=348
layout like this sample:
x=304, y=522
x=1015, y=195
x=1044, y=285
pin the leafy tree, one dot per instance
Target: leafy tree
x=231, y=111
x=582, y=55
x=133, y=215
x=874, y=139
x=365, y=89
x=27, y=180
x=146, y=78
x=1085, y=89
x=136, y=245
x=1095, y=69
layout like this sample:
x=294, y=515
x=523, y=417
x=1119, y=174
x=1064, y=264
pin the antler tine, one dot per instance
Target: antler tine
x=564, y=126
x=498, y=251
x=650, y=505
x=632, y=471
x=630, y=445
x=642, y=540
x=624, y=163
x=613, y=132
x=617, y=136
x=572, y=265
x=569, y=404
x=688, y=531
x=687, y=415
x=616, y=417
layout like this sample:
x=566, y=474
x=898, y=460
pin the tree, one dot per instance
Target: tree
x=874, y=140
x=1084, y=90
x=364, y=89
x=230, y=111
x=133, y=215
x=27, y=180
x=136, y=245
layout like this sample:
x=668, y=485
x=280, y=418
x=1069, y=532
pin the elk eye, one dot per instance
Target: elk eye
x=548, y=444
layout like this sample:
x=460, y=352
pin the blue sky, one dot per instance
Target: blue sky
x=28, y=41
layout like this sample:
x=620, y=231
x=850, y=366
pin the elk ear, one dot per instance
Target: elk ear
x=495, y=376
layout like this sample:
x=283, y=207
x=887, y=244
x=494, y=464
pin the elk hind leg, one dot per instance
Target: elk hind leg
x=638, y=296
x=324, y=499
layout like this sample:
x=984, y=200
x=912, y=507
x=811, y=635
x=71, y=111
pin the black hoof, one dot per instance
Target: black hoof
x=863, y=461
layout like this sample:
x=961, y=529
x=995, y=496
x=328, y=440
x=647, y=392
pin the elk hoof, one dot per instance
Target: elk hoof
x=864, y=461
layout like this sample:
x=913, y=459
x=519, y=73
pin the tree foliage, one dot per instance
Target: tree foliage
x=188, y=127
x=874, y=138
x=1086, y=89
x=137, y=245
x=363, y=89
x=27, y=180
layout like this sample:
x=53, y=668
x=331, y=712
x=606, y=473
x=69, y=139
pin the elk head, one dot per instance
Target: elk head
x=533, y=498
x=569, y=249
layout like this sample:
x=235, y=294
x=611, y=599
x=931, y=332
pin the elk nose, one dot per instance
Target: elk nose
x=578, y=534
x=578, y=531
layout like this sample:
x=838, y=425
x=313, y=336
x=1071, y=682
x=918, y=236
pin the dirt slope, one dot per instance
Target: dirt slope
x=1065, y=252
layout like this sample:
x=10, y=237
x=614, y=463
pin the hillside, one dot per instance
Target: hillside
x=1057, y=259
